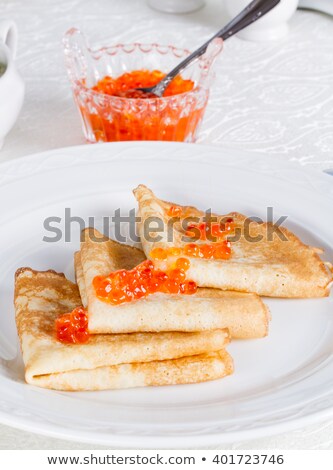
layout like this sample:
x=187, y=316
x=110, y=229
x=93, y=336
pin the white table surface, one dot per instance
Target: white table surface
x=274, y=98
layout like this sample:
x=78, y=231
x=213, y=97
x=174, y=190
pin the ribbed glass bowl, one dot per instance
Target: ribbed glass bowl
x=108, y=118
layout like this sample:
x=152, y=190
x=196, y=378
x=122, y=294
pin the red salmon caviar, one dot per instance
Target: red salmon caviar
x=126, y=117
x=125, y=85
x=207, y=251
x=73, y=327
x=171, y=287
x=191, y=230
x=222, y=251
x=208, y=231
x=159, y=253
x=125, y=286
x=190, y=287
x=177, y=274
x=175, y=251
x=174, y=211
x=135, y=94
x=216, y=250
x=183, y=263
x=217, y=231
x=192, y=249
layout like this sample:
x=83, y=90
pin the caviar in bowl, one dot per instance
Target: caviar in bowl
x=99, y=76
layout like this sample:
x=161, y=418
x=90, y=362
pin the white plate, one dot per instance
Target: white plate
x=280, y=382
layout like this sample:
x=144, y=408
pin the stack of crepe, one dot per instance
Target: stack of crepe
x=162, y=339
x=106, y=361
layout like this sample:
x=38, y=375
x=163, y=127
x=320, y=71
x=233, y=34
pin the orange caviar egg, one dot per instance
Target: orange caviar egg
x=190, y=287
x=171, y=287
x=177, y=274
x=73, y=327
x=174, y=211
x=229, y=225
x=174, y=251
x=204, y=231
x=193, y=231
x=207, y=251
x=222, y=251
x=217, y=231
x=192, y=249
x=183, y=263
x=128, y=285
x=159, y=253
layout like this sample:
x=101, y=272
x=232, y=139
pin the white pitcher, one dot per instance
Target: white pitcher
x=11, y=83
x=272, y=27
x=176, y=6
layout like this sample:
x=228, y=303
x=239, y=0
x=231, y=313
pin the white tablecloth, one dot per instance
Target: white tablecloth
x=275, y=98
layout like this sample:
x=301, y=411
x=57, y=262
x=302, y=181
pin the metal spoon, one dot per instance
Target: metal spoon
x=255, y=10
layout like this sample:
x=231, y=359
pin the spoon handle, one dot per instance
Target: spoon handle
x=251, y=13
x=244, y=19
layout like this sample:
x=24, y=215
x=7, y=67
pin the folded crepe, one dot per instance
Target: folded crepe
x=245, y=315
x=265, y=263
x=105, y=361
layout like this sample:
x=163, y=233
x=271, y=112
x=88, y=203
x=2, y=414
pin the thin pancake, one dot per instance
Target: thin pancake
x=263, y=261
x=40, y=297
x=186, y=370
x=245, y=315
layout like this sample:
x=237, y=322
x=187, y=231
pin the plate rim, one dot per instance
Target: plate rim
x=135, y=441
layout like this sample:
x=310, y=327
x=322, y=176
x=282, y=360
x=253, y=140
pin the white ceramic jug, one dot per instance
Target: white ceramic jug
x=11, y=83
x=272, y=27
x=176, y=6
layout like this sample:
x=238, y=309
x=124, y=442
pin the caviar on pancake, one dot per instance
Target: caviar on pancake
x=128, y=285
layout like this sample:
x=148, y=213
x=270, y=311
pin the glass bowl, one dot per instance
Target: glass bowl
x=108, y=118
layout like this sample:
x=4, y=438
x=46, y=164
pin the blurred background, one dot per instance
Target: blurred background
x=269, y=95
